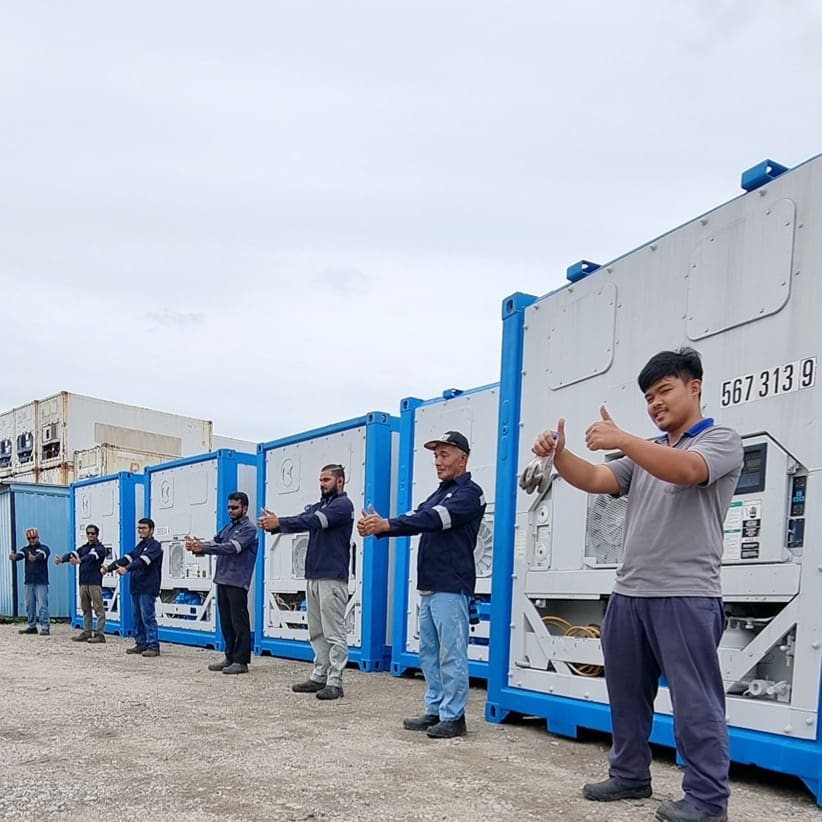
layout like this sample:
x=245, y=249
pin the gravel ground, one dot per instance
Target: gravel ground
x=88, y=732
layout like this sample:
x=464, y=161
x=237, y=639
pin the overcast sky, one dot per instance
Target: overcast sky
x=281, y=215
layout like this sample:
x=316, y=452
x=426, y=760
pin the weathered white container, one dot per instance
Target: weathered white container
x=6, y=442
x=57, y=475
x=105, y=459
x=71, y=422
x=24, y=458
x=219, y=443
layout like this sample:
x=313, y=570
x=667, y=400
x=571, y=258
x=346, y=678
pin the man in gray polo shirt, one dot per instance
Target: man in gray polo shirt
x=665, y=615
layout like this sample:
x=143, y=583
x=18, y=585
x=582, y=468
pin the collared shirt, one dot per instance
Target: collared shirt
x=449, y=521
x=36, y=569
x=236, y=550
x=92, y=556
x=145, y=567
x=674, y=533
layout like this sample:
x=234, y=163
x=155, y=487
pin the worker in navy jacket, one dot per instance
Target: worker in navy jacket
x=329, y=523
x=89, y=558
x=236, y=550
x=449, y=521
x=36, y=580
x=144, y=565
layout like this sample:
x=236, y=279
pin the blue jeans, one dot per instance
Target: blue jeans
x=444, y=653
x=145, y=620
x=37, y=605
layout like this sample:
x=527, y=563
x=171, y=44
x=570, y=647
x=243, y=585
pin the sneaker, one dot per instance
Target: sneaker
x=236, y=668
x=97, y=639
x=85, y=636
x=308, y=687
x=684, y=811
x=218, y=666
x=420, y=723
x=136, y=649
x=30, y=630
x=447, y=729
x=45, y=633
x=330, y=692
x=151, y=652
x=609, y=790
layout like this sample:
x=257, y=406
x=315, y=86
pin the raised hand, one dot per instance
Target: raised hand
x=605, y=434
x=550, y=442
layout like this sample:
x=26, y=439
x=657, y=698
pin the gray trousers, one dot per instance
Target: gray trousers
x=91, y=596
x=326, y=601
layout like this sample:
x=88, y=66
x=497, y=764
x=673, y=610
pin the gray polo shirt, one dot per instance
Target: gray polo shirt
x=674, y=533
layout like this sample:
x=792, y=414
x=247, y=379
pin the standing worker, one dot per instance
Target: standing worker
x=665, y=615
x=89, y=558
x=144, y=565
x=329, y=523
x=36, y=580
x=236, y=550
x=449, y=521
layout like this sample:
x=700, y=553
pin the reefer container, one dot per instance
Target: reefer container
x=233, y=444
x=103, y=460
x=6, y=442
x=71, y=422
x=189, y=496
x=45, y=508
x=24, y=459
x=114, y=504
x=288, y=471
x=473, y=413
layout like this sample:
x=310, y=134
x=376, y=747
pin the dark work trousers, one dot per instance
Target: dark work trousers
x=678, y=637
x=234, y=621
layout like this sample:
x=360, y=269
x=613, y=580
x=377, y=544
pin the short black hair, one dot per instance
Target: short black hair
x=337, y=470
x=684, y=363
x=239, y=496
x=146, y=521
x=90, y=526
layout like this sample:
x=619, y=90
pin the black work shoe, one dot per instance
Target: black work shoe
x=45, y=633
x=420, y=723
x=97, y=639
x=85, y=636
x=136, y=649
x=236, y=668
x=448, y=728
x=151, y=652
x=308, y=687
x=609, y=790
x=330, y=692
x=27, y=631
x=218, y=666
x=684, y=811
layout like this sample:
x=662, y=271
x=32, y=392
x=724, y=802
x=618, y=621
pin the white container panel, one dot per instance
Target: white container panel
x=6, y=443
x=25, y=435
x=105, y=459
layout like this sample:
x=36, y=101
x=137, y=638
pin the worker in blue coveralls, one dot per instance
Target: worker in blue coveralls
x=89, y=558
x=236, y=549
x=329, y=523
x=144, y=565
x=36, y=580
x=665, y=615
x=449, y=521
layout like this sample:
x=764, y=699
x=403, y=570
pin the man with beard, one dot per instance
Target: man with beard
x=329, y=523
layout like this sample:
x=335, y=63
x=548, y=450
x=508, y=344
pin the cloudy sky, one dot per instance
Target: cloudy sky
x=280, y=215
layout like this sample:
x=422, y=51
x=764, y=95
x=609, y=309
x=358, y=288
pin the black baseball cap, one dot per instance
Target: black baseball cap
x=450, y=438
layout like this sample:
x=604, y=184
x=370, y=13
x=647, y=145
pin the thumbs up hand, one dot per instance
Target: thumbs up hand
x=371, y=523
x=605, y=434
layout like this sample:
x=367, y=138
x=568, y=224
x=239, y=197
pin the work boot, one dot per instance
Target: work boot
x=96, y=639
x=236, y=668
x=420, y=723
x=308, y=687
x=136, y=649
x=151, y=652
x=330, y=692
x=218, y=666
x=83, y=636
x=30, y=630
x=684, y=811
x=45, y=632
x=609, y=790
x=447, y=729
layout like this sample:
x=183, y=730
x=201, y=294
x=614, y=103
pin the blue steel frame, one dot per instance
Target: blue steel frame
x=374, y=654
x=227, y=476
x=401, y=659
x=127, y=484
x=564, y=716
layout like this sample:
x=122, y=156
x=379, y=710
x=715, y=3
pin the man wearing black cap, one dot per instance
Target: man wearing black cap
x=449, y=522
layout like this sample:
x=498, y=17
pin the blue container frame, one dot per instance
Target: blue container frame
x=401, y=659
x=564, y=716
x=374, y=654
x=228, y=462
x=128, y=483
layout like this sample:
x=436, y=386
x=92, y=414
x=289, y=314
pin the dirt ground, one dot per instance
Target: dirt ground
x=87, y=732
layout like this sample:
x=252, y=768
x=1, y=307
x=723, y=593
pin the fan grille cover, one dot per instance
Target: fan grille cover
x=176, y=560
x=299, y=548
x=604, y=529
x=484, y=549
